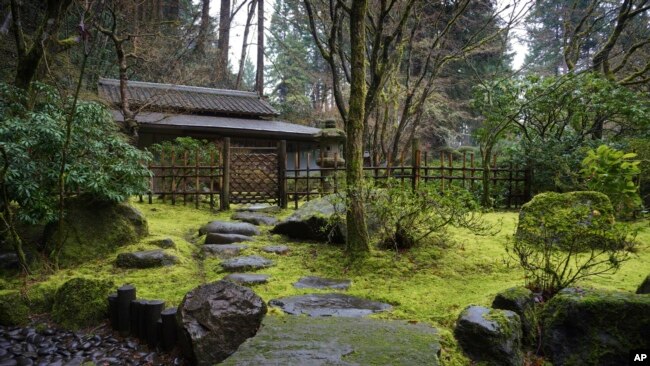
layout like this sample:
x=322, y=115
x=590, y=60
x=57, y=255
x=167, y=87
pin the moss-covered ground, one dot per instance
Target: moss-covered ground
x=429, y=284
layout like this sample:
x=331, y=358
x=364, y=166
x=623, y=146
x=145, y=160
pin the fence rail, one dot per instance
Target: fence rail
x=198, y=177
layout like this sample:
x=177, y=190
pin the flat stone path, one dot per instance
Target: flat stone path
x=276, y=249
x=224, y=251
x=322, y=283
x=247, y=263
x=296, y=340
x=338, y=305
x=247, y=278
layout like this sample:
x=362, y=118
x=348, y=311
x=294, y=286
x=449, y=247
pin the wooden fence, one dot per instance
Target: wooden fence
x=192, y=176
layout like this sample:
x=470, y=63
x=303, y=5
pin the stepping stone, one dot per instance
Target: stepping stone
x=251, y=262
x=247, y=278
x=224, y=227
x=329, y=305
x=166, y=243
x=259, y=207
x=276, y=249
x=254, y=218
x=297, y=340
x=321, y=283
x=216, y=238
x=225, y=250
x=145, y=259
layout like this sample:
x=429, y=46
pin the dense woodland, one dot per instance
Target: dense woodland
x=389, y=71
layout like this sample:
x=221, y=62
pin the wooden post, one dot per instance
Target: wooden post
x=225, y=183
x=464, y=167
x=151, y=314
x=510, y=185
x=125, y=295
x=112, y=310
x=162, y=175
x=197, y=191
x=308, y=177
x=173, y=176
x=471, y=163
x=168, y=336
x=442, y=171
x=415, y=163
x=212, y=171
x=282, y=172
x=185, y=178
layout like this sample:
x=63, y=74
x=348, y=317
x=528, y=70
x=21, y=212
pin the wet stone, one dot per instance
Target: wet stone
x=217, y=238
x=166, y=243
x=251, y=262
x=322, y=283
x=145, y=259
x=276, y=249
x=338, y=305
x=225, y=250
x=259, y=207
x=254, y=218
x=224, y=227
x=247, y=278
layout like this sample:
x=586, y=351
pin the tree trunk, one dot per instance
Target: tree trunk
x=244, y=47
x=204, y=28
x=259, y=77
x=223, y=43
x=357, y=232
x=30, y=58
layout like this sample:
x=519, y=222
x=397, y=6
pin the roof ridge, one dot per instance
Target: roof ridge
x=175, y=87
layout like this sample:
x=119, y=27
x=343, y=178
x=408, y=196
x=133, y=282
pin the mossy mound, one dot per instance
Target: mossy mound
x=559, y=217
x=13, y=308
x=81, y=302
x=595, y=327
x=315, y=220
x=94, y=229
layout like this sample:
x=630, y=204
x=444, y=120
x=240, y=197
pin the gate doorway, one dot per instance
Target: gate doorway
x=254, y=175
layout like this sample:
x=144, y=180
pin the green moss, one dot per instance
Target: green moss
x=13, y=308
x=429, y=284
x=81, y=302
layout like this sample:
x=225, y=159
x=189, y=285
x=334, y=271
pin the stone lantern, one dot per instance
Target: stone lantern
x=331, y=147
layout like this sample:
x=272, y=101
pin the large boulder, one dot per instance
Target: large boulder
x=560, y=218
x=81, y=302
x=522, y=301
x=145, y=259
x=595, y=327
x=216, y=318
x=94, y=229
x=224, y=227
x=644, y=287
x=13, y=308
x=315, y=220
x=491, y=336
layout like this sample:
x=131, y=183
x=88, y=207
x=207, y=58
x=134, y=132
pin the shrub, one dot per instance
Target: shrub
x=406, y=216
x=99, y=162
x=564, y=237
x=613, y=173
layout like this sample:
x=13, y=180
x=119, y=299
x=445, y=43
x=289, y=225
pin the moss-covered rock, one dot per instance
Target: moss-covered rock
x=522, y=301
x=559, y=217
x=315, y=220
x=93, y=229
x=491, y=336
x=81, y=302
x=595, y=327
x=13, y=308
x=644, y=287
x=145, y=259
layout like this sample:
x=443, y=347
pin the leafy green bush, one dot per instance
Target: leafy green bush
x=407, y=217
x=613, y=173
x=99, y=162
x=564, y=237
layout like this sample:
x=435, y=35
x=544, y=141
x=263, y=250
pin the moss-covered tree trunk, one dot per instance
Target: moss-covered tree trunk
x=29, y=57
x=357, y=232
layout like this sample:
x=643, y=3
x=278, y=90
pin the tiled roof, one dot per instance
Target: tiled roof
x=188, y=99
x=224, y=125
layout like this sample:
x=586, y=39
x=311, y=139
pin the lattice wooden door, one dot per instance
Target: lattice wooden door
x=254, y=175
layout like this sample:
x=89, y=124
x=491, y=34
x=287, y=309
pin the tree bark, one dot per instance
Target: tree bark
x=357, y=232
x=244, y=47
x=223, y=43
x=259, y=77
x=204, y=28
x=29, y=58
